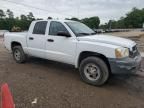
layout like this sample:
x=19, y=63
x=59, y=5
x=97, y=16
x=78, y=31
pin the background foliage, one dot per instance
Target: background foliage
x=133, y=19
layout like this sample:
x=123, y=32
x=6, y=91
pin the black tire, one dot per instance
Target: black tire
x=101, y=65
x=22, y=57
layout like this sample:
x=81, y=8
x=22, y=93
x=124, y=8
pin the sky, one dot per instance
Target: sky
x=105, y=9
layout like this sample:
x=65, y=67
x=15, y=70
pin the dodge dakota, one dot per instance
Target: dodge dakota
x=95, y=56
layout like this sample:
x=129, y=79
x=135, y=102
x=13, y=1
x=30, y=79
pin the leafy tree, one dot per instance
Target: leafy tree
x=92, y=22
x=67, y=19
x=49, y=17
x=30, y=16
x=75, y=19
x=2, y=14
x=23, y=17
x=120, y=23
x=12, y=24
x=135, y=18
x=10, y=13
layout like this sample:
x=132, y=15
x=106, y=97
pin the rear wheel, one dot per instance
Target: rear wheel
x=93, y=70
x=18, y=54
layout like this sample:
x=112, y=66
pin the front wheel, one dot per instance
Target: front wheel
x=18, y=54
x=93, y=70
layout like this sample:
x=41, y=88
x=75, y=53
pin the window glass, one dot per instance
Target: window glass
x=40, y=27
x=56, y=27
x=80, y=29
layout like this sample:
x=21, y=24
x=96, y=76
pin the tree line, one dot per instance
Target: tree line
x=133, y=19
x=22, y=23
x=9, y=22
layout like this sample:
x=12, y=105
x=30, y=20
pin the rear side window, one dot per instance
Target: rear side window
x=40, y=27
x=56, y=27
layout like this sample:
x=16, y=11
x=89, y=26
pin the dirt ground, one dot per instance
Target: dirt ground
x=45, y=84
x=127, y=34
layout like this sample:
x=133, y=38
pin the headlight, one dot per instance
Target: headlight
x=121, y=52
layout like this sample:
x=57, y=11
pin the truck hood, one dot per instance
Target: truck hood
x=113, y=40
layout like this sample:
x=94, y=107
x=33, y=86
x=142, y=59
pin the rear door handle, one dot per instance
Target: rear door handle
x=50, y=40
x=31, y=38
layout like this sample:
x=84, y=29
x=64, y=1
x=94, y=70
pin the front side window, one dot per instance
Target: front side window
x=40, y=27
x=56, y=27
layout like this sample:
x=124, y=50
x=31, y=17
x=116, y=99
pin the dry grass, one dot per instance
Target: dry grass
x=141, y=38
x=141, y=35
x=127, y=34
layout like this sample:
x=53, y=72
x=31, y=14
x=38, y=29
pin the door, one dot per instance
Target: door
x=60, y=48
x=36, y=40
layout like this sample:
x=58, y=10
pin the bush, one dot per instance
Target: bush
x=16, y=29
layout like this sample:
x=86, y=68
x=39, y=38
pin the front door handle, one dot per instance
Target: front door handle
x=50, y=40
x=31, y=38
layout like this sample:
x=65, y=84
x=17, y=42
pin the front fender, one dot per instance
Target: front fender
x=101, y=48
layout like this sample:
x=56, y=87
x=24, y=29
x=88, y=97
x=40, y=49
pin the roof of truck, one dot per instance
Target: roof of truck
x=60, y=20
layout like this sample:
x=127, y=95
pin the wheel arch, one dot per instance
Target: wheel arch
x=86, y=54
x=15, y=43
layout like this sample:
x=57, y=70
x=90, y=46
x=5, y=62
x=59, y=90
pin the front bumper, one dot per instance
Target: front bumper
x=125, y=65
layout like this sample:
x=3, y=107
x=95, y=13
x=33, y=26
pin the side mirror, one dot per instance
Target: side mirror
x=62, y=33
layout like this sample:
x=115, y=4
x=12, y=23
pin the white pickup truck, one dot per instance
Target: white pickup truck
x=71, y=42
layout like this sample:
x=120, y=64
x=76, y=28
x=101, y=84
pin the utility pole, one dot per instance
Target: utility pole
x=110, y=24
x=143, y=27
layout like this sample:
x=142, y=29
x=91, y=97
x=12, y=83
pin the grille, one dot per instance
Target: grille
x=134, y=52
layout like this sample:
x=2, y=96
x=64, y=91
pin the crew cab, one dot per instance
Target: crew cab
x=71, y=42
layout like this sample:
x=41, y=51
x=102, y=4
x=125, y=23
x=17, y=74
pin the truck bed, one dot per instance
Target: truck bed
x=10, y=37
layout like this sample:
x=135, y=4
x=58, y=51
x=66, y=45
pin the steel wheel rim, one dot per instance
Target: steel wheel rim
x=92, y=72
x=17, y=54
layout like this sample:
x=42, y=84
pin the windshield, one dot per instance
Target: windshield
x=80, y=29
